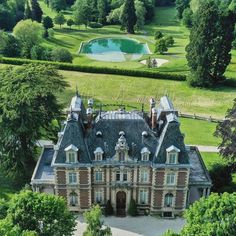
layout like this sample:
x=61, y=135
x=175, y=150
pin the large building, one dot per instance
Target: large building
x=120, y=155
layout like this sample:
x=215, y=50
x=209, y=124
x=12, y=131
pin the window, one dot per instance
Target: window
x=98, y=154
x=72, y=178
x=121, y=156
x=98, y=195
x=143, y=196
x=170, y=179
x=144, y=176
x=145, y=154
x=168, y=199
x=73, y=199
x=125, y=176
x=98, y=176
x=121, y=175
x=172, y=158
x=71, y=157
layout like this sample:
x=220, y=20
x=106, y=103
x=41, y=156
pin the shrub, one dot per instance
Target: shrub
x=61, y=55
x=221, y=176
x=161, y=46
x=109, y=209
x=234, y=44
x=188, y=18
x=9, y=46
x=169, y=41
x=170, y=233
x=102, y=70
x=132, y=208
x=95, y=25
x=70, y=22
x=3, y=208
x=40, y=53
x=158, y=35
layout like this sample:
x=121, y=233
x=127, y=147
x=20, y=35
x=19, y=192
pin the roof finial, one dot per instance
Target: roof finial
x=142, y=107
x=100, y=111
x=76, y=91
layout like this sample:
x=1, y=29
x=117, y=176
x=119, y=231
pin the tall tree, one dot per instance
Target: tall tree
x=37, y=12
x=208, y=52
x=27, y=13
x=29, y=33
x=60, y=19
x=27, y=108
x=47, y=22
x=57, y=5
x=226, y=130
x=140, y=12
x=103, y=10
x=82, y=12
x=181, y=5
x=128, y=16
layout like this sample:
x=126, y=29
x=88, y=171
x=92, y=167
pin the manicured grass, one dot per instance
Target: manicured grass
x=135, y=91
x=199, y=132
x=165, y=20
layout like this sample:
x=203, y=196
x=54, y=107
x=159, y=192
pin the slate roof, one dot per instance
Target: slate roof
x=132, y=125
x=44, y=171
x=73, y=135
x=171, y=135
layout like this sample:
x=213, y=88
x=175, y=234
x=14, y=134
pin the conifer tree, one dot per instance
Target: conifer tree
x=27, y=13
x=128, y=16
x=103, y=9
x=208, y=52
x=36, y=11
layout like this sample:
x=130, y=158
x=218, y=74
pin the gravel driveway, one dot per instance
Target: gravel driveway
x=135, y=226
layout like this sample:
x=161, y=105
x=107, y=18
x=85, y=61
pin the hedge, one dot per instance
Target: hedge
x=99, y=70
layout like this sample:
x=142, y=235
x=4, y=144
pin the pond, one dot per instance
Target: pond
x=114, y=49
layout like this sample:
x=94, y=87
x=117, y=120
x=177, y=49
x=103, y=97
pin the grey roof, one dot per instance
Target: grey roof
x=166, y=103
x=44, y=171
x=73, y=135
x=132, y=125
x=171, y=135
x=198, y=172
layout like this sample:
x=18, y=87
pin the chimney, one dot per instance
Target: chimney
x=90, y=102
x=154, y=118
x=89, y=113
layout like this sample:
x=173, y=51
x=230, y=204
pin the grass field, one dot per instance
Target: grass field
x=135, y=91
x=165, y=20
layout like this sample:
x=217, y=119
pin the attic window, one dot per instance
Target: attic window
x=71, y=154
x=98, y=154
x=99, y=134
x=145, y=154
x=172, y=155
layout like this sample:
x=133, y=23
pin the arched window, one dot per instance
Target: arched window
x=169, y=200
x=73, y=199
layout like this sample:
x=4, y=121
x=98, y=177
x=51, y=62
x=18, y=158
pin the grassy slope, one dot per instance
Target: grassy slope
x=134, y=91
x=165, y=21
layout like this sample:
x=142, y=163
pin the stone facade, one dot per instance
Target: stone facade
x=119, y=156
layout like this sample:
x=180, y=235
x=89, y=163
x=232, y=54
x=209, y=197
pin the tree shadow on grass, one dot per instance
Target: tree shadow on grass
x=61, y=43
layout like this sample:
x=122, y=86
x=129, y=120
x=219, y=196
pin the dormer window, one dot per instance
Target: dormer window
x=71, y=154
x=145, y=154
x=98, y=154
x=172, y=155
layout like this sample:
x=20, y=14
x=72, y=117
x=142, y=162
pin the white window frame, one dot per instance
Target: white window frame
x=172, y=157
x=170, y=178
x=122, y=174
x=144, y=176
x=143, y=196
x=168, y=201
x=71, y=157
x=72, y=178
x=73, y=199
x=98, y=156
x=98, y=173
x=98, y=196
x=145, y=156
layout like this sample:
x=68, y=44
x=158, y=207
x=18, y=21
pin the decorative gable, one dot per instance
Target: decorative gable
x=145, y=154
x=172, y=154
x=71, y=154
x=122, y=148
x=98, y=154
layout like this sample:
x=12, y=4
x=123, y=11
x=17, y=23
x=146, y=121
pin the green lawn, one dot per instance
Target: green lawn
x=199, y=132
x=135, y=91
x=165, y=20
